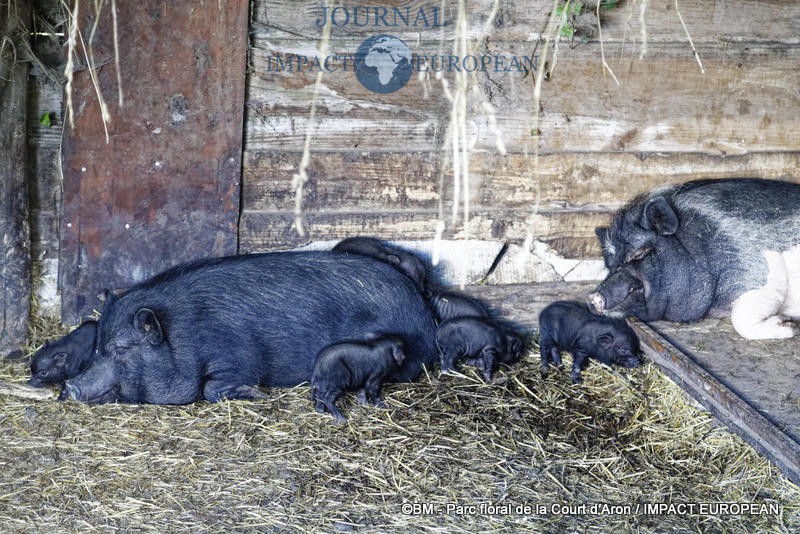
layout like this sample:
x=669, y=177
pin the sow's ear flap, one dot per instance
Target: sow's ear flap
x=659, y=216
x=146, y=321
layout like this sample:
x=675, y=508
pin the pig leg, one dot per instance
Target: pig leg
x=754, y=314
x=373, y=389
x=489, y=355
x=361, y=396
x=331, y=406
x=555, y=356
x=577, y=363
x=216, y=390
x=546, y=350
x=447, y=358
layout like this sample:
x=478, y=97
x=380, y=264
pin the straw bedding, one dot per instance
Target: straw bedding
x=622, y=438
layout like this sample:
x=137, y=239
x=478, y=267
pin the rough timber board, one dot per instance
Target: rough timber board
x=709, y=21
x=750, y=386
x=165, y=188
x=745, y=101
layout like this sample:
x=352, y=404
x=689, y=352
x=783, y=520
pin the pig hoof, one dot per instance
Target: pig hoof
x=770, y=328
x=361, y=396
x=576, y=379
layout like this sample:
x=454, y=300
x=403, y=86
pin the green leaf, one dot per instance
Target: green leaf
x=576, y=8
x=567, y=31
x=47, y=119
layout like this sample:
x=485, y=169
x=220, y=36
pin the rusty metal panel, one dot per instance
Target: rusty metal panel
x=165, y=188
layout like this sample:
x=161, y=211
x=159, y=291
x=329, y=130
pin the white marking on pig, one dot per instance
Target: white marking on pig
x=759, y=313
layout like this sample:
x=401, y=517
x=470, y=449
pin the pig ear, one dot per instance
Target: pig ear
x=604, y=341
x=399, y=355
x=659, y=216
x=60, y=358
x=146, y=321
x=601, y=233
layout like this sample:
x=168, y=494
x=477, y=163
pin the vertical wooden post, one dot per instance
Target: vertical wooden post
x=164, y=186
x=15, y=259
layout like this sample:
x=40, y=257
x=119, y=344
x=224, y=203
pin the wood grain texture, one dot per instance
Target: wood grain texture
x=709, y=21
x=744, y=102
x=165, y=188
x=562, y=231
x=15, y=259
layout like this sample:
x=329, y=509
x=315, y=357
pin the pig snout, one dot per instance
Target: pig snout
x=597, y=302
x=630, y=361
x=97, y=385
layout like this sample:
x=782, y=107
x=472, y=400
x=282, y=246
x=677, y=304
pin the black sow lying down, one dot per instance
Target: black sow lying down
x=569, y=326
x=709, y=248
x=350, y=366
x=64, y=358
x=215, y=328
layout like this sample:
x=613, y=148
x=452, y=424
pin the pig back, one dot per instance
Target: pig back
x=265, y=317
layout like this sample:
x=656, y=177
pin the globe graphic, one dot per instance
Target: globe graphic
x=383, y=64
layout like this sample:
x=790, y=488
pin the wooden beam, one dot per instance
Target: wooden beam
x=730, y=409
x=164, y=187
x=15, y=259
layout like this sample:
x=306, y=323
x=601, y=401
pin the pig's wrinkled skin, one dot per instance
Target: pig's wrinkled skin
x=349, y=366
x=449, y=305
x=477, y=341
x=216, y=328
x=708, y=248
x=405, y=262
x=64, y=358
x=571, y=327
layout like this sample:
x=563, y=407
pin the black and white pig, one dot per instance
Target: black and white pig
x=64, y=358
x=405, y=262
x=707, y=248
x=350, y=366
x=479, y=341
x=571, y=327
x=216, y=328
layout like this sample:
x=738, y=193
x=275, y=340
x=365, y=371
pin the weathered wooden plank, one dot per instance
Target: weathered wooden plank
x=744, y=410
x=570, y=233
x=766, y=372
x=165, y=188
x=727, y=406
x=15, y=259
x=387, y=181
x=745, y=101
x=709, y=21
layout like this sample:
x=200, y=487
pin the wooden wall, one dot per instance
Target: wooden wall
x=376, y=159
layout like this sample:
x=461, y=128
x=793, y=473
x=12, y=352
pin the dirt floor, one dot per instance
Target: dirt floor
x=551, y=456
